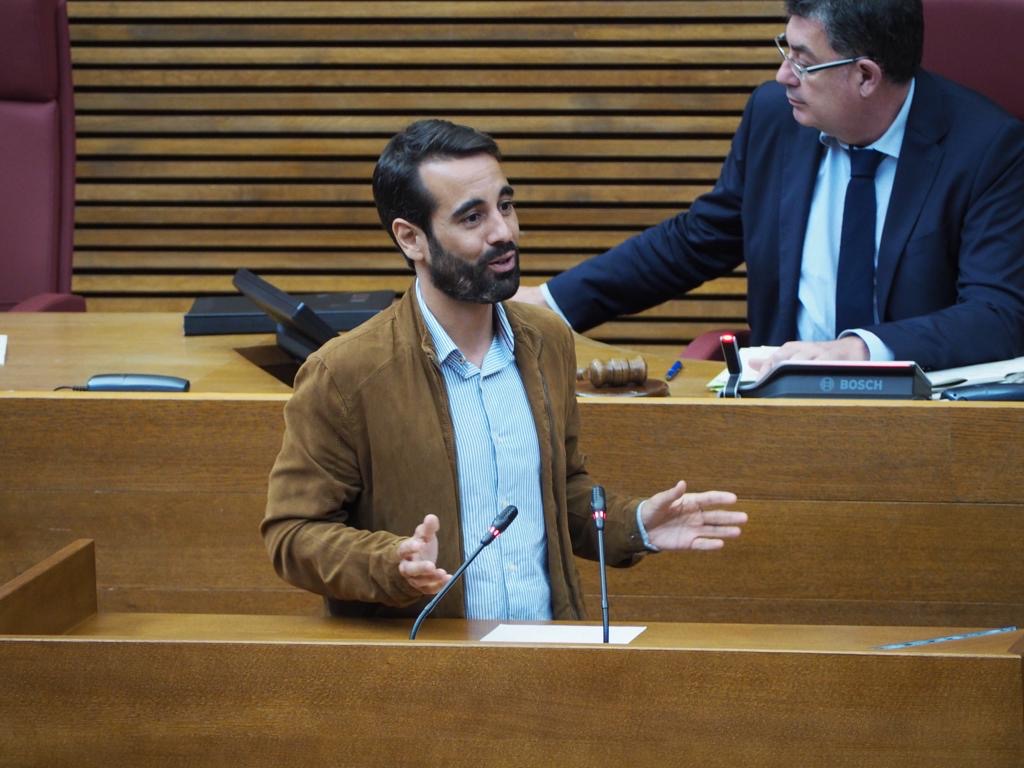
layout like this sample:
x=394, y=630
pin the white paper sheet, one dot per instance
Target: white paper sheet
x=561, y=633
x=3, y=348
x=983, y=373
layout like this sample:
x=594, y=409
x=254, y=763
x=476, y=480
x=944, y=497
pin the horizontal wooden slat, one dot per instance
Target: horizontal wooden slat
x=530, y=216
x=361, y=193
x=442, y=31
x=390, y=124
x=586, y=242
x=269, y=146
x=359, y=171
x=511, y=77
x=448, y=56
x=627, y=331
x=307, y=283
x=131, y=102
x=321, y=9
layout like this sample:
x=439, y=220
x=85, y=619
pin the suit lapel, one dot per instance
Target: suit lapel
x=801, y=159
x=919, y=161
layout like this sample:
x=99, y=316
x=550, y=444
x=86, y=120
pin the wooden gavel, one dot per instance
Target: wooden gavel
x=616, y=372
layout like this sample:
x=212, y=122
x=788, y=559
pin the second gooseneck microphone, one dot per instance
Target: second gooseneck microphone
x=597, y=508
x=501, y=522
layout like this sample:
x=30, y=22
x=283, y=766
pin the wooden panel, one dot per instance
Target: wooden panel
x=861, y=512
x=160, y=550
x=472, y=10
x=824, y=562
x=851, y=531
x=211, y=691
x=197, y=118
x=53, y=595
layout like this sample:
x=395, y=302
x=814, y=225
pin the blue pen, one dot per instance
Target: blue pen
x=677, y=366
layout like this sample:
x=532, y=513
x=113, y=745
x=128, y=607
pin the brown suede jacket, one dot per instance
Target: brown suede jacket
x=369, y=450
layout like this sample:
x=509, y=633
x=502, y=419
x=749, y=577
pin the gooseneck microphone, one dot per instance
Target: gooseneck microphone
x=597, y=507
x=501, y=522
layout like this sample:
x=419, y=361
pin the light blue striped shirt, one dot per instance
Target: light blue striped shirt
x=498, y=463
x=819, y=265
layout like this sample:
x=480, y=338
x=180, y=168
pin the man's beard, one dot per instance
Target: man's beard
x=474, y=282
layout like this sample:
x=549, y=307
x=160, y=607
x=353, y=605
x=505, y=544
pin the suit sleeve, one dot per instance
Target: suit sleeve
x=667, y=260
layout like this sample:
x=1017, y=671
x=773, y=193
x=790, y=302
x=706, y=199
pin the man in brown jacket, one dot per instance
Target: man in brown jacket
x=405, y=436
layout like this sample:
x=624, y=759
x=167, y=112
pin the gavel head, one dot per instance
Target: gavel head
x=616, y=372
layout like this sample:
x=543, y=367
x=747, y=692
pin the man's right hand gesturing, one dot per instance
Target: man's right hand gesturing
x=419, y=557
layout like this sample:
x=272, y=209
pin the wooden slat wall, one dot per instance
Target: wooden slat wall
x=219, y=134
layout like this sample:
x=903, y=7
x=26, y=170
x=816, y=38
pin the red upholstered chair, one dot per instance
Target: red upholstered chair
x=978, y=43
x=37, y=157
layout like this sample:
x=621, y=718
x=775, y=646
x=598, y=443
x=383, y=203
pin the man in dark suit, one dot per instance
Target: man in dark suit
x=943, y=279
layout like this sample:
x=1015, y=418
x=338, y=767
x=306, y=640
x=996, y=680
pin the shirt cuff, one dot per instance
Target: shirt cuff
x=877, y=350
x=552, y=304
x=643, y=531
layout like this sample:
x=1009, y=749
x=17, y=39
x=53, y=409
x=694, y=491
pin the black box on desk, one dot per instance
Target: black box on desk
x=343, y=311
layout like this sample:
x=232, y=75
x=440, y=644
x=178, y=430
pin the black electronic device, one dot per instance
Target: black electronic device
x=994, y=390
x=342, y=310
x=300, y=331
x=135, y=382
x=896, y=380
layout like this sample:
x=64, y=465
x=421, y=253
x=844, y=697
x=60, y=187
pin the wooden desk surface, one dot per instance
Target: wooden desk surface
x=46, y=350
x=50, y=349
x=789, y=638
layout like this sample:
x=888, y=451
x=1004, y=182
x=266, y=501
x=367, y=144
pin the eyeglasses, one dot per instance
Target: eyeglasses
x=800, y=69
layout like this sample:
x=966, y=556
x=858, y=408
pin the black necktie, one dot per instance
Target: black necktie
x=855, y=281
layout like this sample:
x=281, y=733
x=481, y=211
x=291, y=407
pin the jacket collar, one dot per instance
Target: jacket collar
x=410, y=321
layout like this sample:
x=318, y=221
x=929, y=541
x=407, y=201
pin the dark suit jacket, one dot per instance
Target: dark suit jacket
x=951, y=263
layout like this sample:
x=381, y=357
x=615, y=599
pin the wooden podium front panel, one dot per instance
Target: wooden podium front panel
x=292, y=691
x=861, y=512
x=172, y=488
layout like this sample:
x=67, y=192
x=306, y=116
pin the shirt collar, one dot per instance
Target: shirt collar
x=443, y=344
x=888, y=143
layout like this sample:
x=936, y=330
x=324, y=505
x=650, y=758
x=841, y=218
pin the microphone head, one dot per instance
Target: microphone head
x=597, y=498
x=501, y=522
x=504, y=518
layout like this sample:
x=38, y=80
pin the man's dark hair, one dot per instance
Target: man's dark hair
x=889, y=32
x=398, y=190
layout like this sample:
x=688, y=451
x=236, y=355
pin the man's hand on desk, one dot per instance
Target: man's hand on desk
x=846, y=348
x=419, y=557
x=675, y=519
